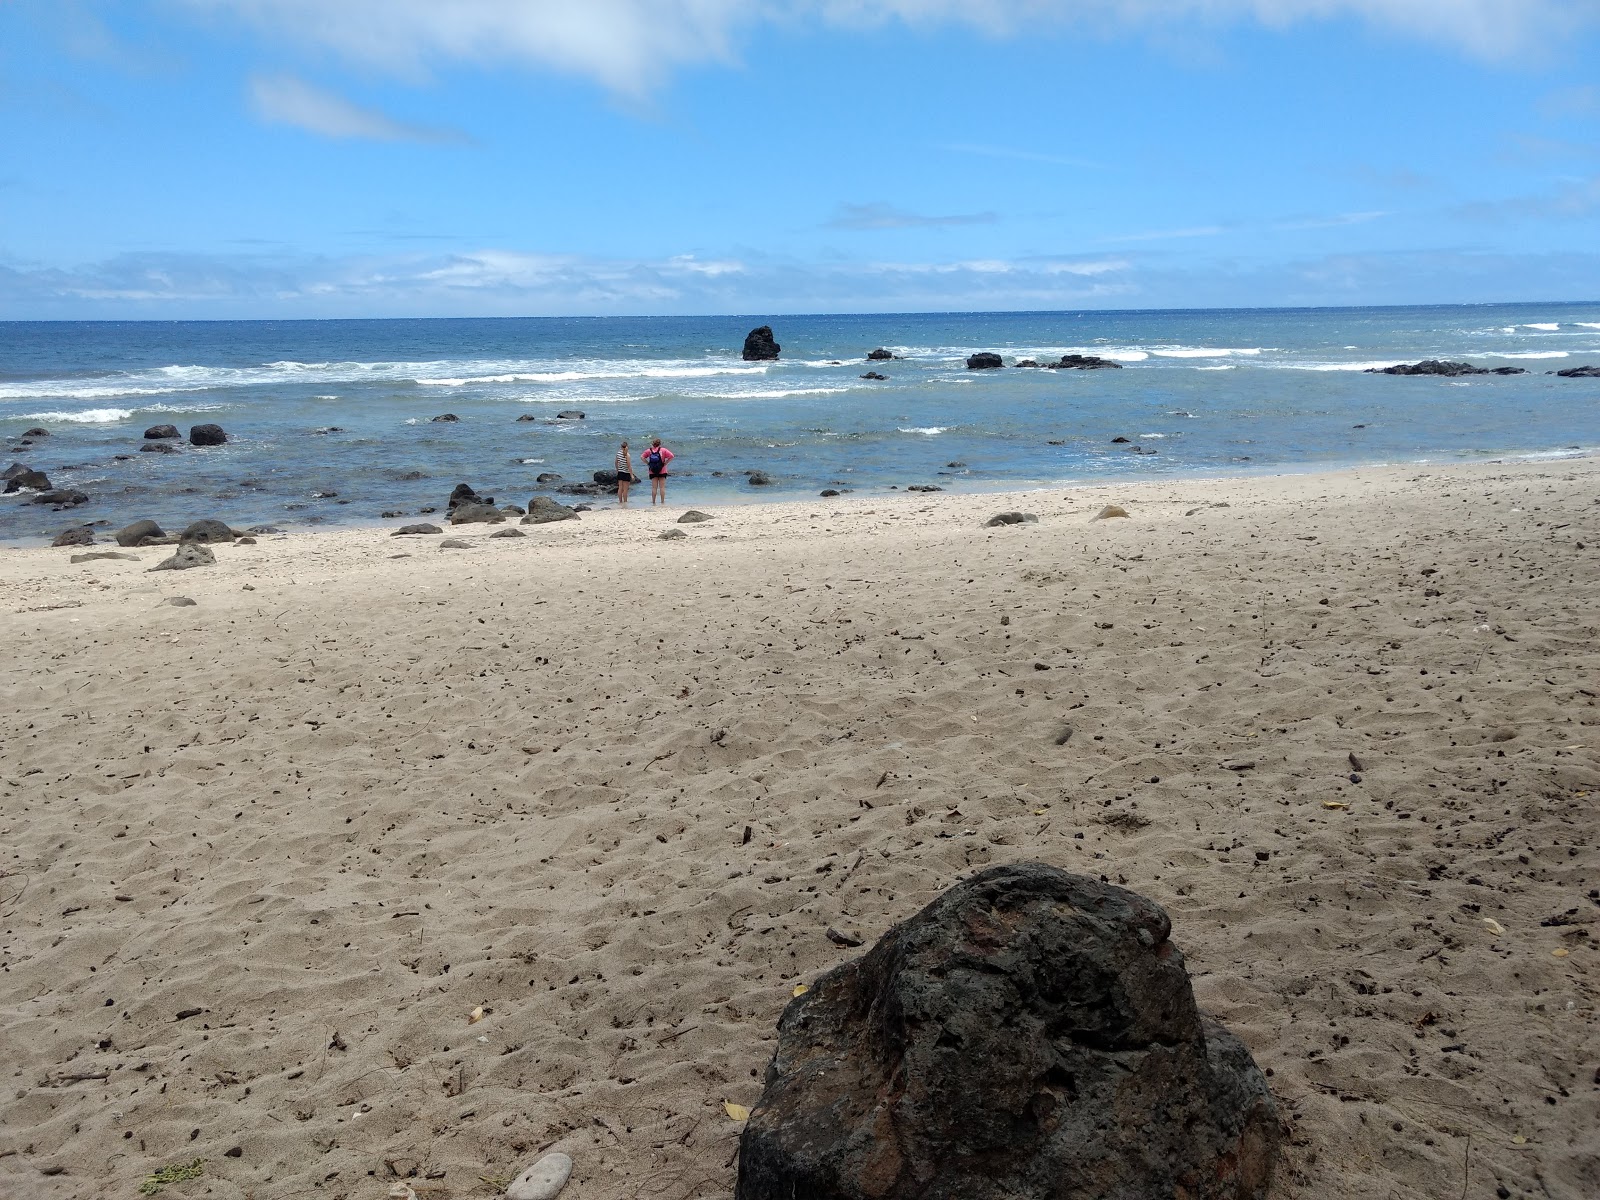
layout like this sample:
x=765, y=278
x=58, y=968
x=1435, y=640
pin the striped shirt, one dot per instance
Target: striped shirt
x=624, y=463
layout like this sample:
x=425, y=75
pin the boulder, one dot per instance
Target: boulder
x=206, y=435
x=1580, y=373
x=509, y=531
x=189, y=555
x=410, y=529
x=759, y=345
x=1030, y=1035
x=879, y=355
x=207, y=531
x=455, y=544
x=79, y=535
x=879, y=375
x=527, y=417
x=159, y=448
x=760, y=479
x=446, y=418
x=693, y=517
x=542, y=511
x=569, y=414
x=984, y=361
x=18, y=477
x=829, y=492
x=462, y=494
x=1025, y=362
x=1084, y=362
x=62, y=498
x=36, y=432
x=156, y=432
x=1010, y=518
x=547, y=477
x=476, y=514
x=131, y=535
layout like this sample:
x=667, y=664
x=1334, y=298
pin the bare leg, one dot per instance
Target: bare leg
x=622, y=489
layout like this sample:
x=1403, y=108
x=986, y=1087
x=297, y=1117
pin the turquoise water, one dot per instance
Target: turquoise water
x=1200, y=392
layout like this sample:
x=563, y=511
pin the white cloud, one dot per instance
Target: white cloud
x=285, y=100
x=629, y=46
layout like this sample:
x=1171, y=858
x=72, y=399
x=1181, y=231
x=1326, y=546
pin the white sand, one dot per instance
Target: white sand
x=347, y=799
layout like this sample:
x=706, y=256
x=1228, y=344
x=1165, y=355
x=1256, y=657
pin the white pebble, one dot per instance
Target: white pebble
x=542, y=1181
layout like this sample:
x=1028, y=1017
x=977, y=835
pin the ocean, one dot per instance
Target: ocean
x=331, y=422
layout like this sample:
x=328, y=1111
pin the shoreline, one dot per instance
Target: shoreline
x=268, y=852
x=753, y=499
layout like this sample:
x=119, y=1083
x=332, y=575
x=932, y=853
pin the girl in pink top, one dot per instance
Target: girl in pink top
x=656, y=458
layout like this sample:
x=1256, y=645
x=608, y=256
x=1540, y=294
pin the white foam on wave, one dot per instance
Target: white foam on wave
x=1368, y=365
x=87, y=416
x=598, y=373
x=1219, y=367
x=777, y=394
x=1545, y=326
x=1587, y=324
x=1531, y=354
x=1203, y=352
x=925, y=430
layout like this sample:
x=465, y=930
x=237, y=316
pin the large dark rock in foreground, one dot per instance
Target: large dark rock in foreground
x=1434, y=366
x=207, y=435
x=1030, y=1034
x=984, y=361
x=759, y=346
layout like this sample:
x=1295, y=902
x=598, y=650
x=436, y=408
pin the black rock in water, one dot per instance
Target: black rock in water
x=879, y=355
x=1580, y=373
x=159, y=448
x=875, y=375
x=569, y=414
x=984, y=361
x=759, y=346
x=206, y=435
x=1030, y=1035
x=1434, y=366
x=446, y=418
x=38, y=431
x=156, y=432
x=1084, y=362
x=62, y=498
x=18, y=477
x=759, y=479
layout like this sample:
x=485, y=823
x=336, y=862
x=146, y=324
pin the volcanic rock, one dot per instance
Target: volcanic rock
x=569, y=414
x=424, y=527
x=468, y=513
x=509, y=531
x=159, y=448
x=879, y=355
x=984, y=361
x=62, y=498
x=1084, y=362
x=189, y=555
x=206, y=435
x=18, y=477
x=1030, y=1035
x=1580, y=373
x=759, y=346
x=1010, y=518
x=760, y=479
x=693, y=517
x=1434, y=366
x=672, y=535
x=875, y=375
x=207, y=531
x=542, y=511
x=131, y=535
x=446, y=418
x=36, y=432
x=156, y=432
x=78, y=535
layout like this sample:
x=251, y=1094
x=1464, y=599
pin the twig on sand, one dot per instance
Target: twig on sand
x=1466, y=1168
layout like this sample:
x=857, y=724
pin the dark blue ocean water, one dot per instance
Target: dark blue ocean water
x=1210, y=392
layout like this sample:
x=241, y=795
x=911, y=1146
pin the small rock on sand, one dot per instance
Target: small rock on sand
x=542, y=1181
x=1010, y=518
x=409, y=529
x=1111, y=510
x=455, y=544
x=693, y=517
x=508, y=533
x=190, y=554
x=180, y=602
x=673, y=534
x=93, y=555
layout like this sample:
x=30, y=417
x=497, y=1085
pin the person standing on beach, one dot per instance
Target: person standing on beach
x=624, y=464
x=656, y=459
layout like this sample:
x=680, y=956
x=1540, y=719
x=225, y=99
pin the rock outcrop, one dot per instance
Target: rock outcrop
x=759, y=346
x=1030, y=1035
x=18, y=477
x=879, y=355
x=542, y=511
x=983, y=361
x=189, y=555
x=1434, y=366
x=1084, y=362
x=1580, y=373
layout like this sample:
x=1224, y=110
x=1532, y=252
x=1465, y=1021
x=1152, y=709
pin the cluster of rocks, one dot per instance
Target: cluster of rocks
x=163, y=439
x=988, y=361
x=1030, y=1034
x=1580, y=373
x=1132, y=449
x=1435, y=366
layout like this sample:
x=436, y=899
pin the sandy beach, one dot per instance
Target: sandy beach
x=382, y=861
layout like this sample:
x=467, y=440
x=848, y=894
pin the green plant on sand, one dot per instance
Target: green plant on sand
x=176, y=1173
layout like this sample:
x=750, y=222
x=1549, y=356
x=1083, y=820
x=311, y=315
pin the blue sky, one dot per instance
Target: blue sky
x=314, y=158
